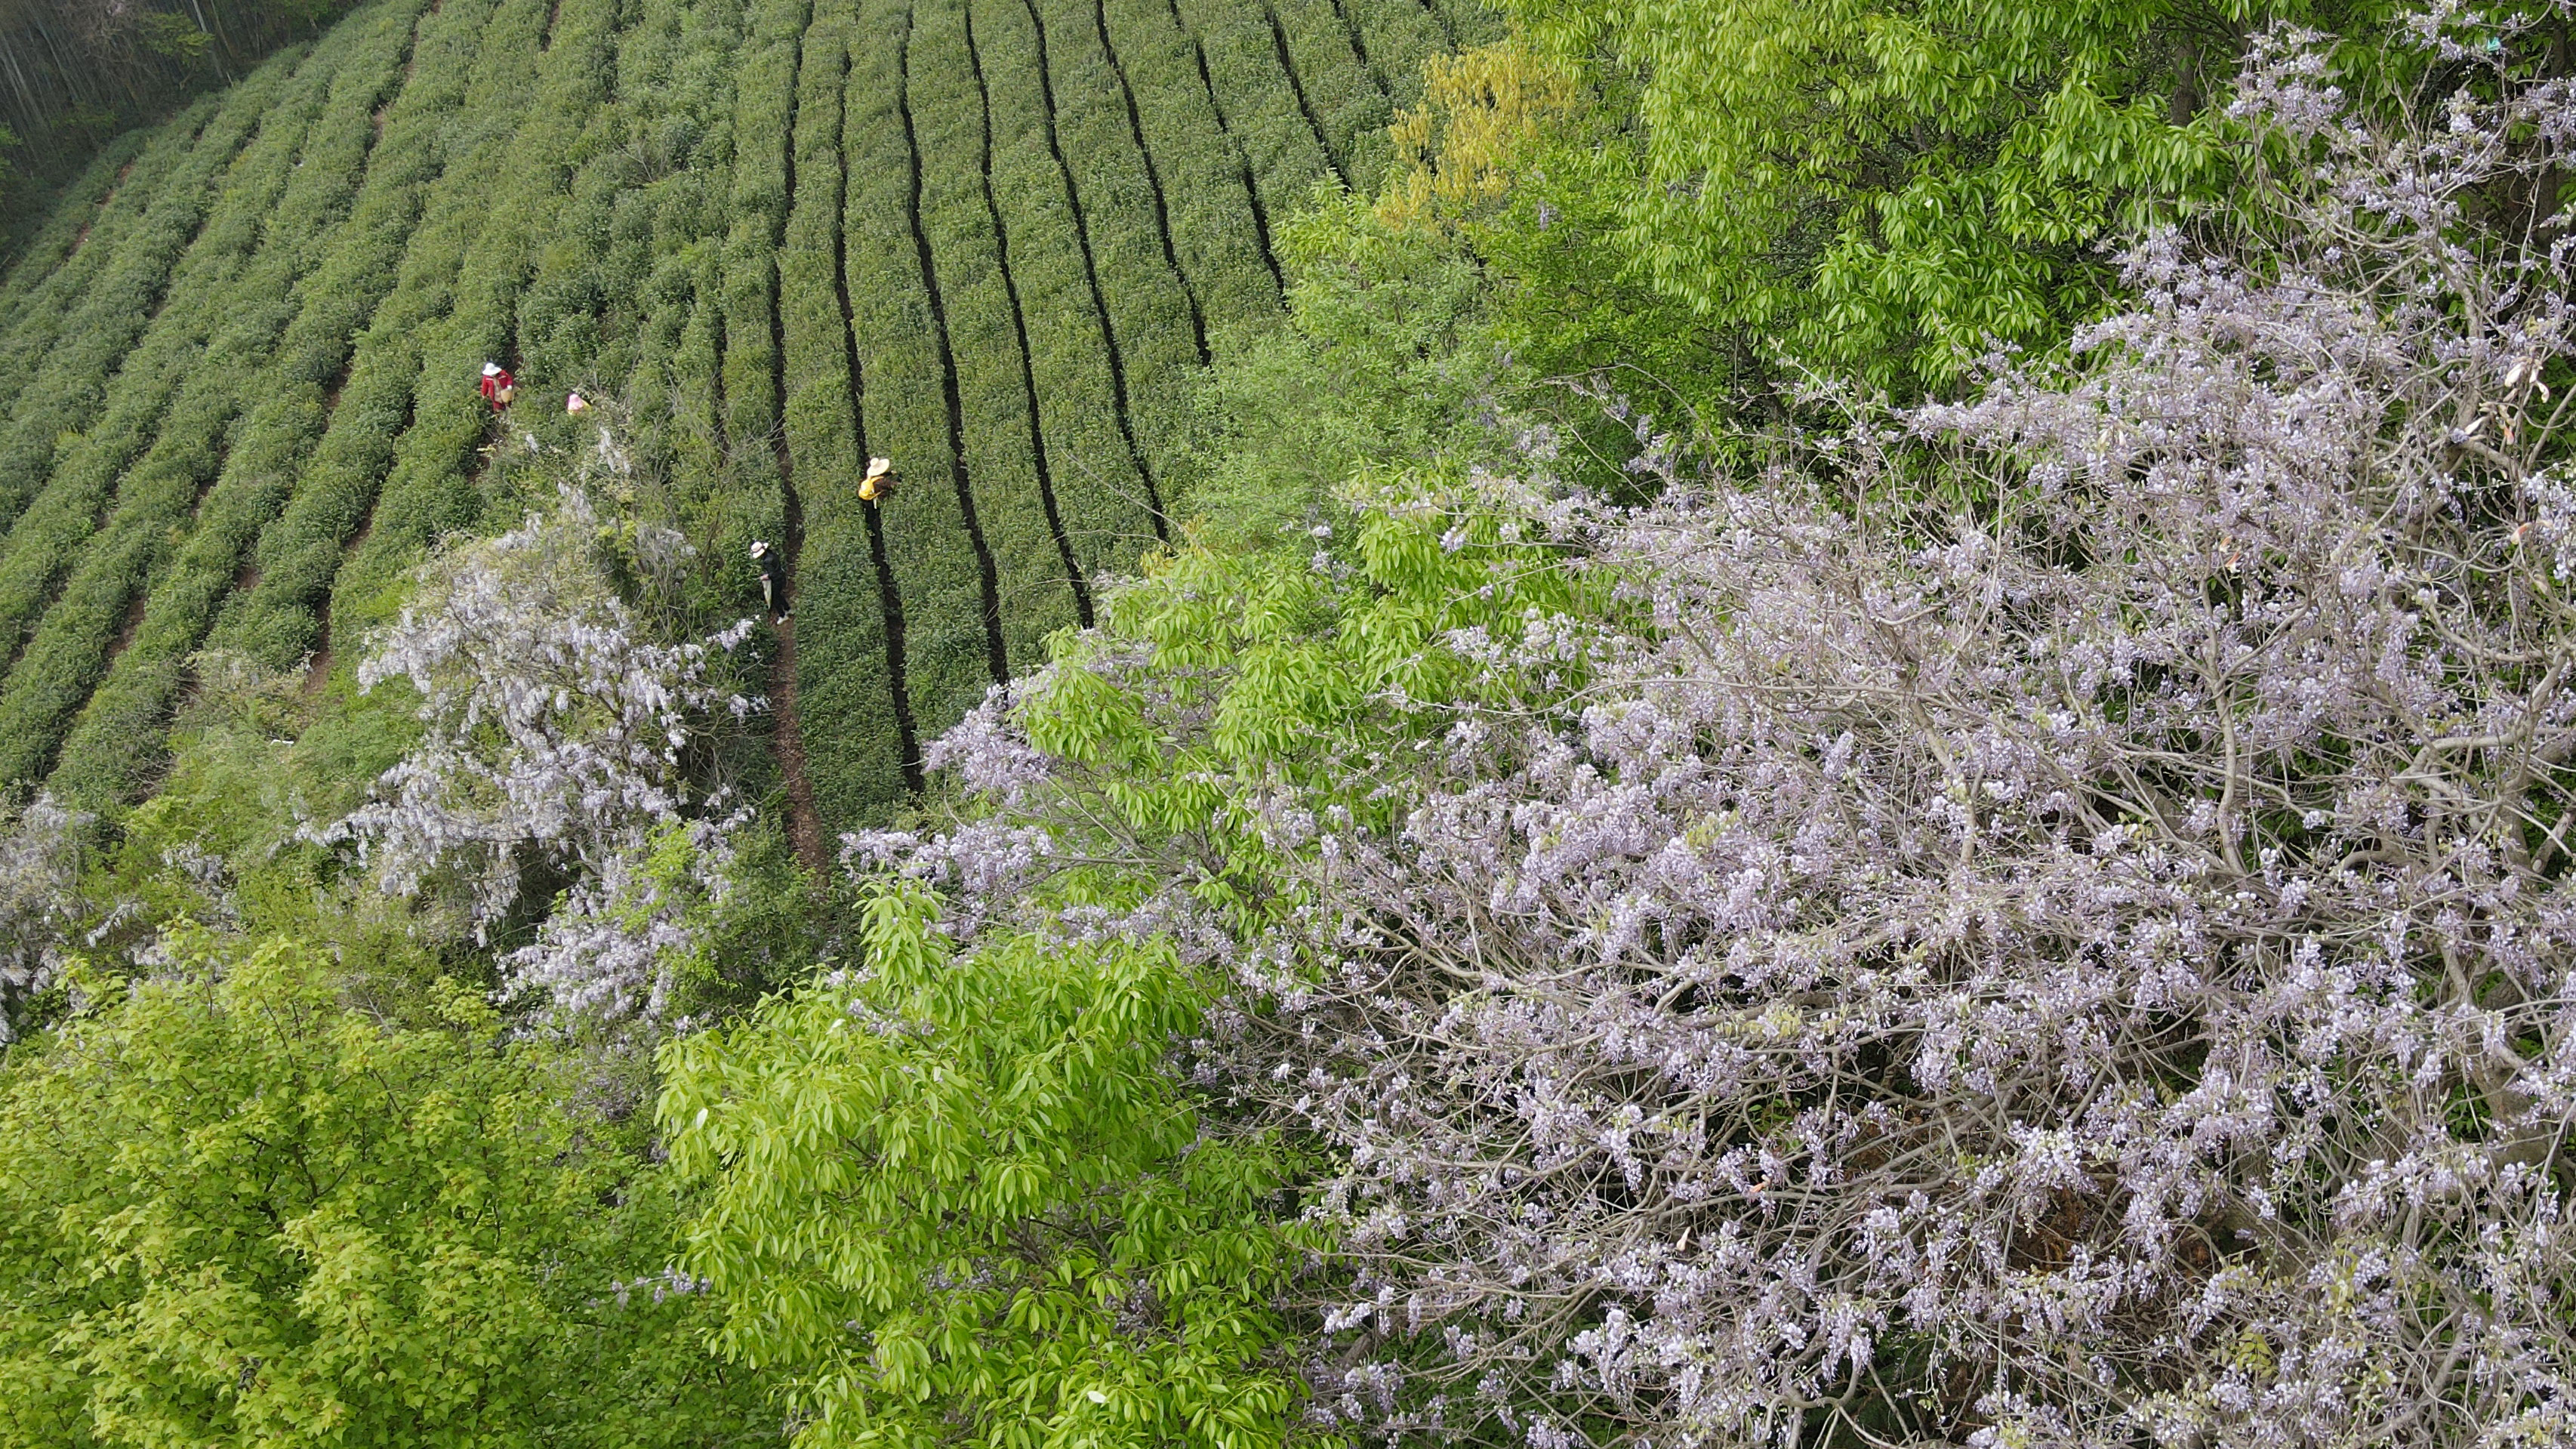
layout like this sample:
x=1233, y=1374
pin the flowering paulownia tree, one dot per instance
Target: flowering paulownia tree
x=2048, y=923
x=40, y=857
x=557, y=745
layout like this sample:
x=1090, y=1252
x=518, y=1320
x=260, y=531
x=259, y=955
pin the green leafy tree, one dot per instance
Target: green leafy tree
x=1888, y=186
x=233, y=1211
x=958, y=1198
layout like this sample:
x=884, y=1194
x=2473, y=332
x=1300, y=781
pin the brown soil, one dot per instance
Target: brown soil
x=804, y=822
x=133, y=624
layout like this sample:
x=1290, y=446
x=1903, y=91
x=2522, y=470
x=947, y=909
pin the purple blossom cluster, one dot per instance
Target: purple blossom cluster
x=40, y=901
x=2042, y=921
x=557, y=747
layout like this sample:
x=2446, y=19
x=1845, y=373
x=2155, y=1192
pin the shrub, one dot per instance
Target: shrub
x=40, y=904
x=1353, y=104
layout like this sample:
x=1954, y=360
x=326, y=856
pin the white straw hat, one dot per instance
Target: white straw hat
x=759, y=547
x=491, y=369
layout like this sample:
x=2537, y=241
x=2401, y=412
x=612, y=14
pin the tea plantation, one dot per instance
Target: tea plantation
x=990, y=239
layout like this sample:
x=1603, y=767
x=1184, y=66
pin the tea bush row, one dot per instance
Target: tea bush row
x=62, y=401
x=231, y=298
x=1152, y=318
x=842, y=681
x=277, y=620
x=518, y=172
x=329, y=258
x=256, y=133
x=1076, y=355
x=907, y=372
x=54, y=271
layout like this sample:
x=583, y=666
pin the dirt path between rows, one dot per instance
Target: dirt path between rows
x=804, y=822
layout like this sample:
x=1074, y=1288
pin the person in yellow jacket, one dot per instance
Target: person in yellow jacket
x=878, y=486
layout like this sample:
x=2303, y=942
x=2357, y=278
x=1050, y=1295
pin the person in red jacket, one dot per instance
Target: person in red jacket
x=498, y=385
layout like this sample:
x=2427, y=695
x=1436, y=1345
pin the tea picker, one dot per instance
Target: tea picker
x=773, y=589
x=498, y=386
x=878, y=486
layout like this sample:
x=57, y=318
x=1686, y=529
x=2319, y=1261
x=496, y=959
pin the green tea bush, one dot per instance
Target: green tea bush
x=947, y=113
x=1104, y=504
x=531, y=114
x=340, y=257
x=1014, y=162
x=169, y=357
x=63, y=402
x=841, y=665
x=1149, y=318
x=1262, y=102
x=682, y=403
x=750, y=372
x=741, y=326
x=50, y=275
x=678, y=88
x=647, y=215
x=1394, y=41
x=282, y=191
x=273, y=620
x=907, y=381
x=1354, y=103
x=1201, y=178
x=1302, y=57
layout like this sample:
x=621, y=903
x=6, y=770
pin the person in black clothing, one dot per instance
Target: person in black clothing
x=773, y=589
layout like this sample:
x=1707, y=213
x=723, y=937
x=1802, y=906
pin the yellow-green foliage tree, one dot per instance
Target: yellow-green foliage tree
x=1881, y=187
x=233, y=1211
x=957, y=1199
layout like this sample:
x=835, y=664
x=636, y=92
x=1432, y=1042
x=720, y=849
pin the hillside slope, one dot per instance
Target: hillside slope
x=988, y=238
